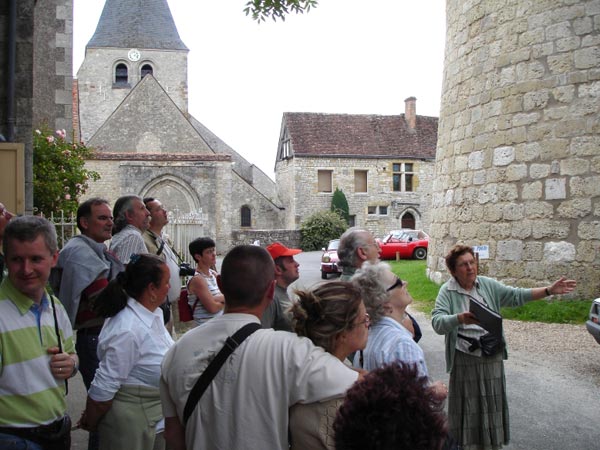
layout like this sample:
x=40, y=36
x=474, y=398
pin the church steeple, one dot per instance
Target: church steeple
x=144, y=24
x=133, y=38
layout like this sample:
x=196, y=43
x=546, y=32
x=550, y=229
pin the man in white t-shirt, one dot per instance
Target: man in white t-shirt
x=246, y=404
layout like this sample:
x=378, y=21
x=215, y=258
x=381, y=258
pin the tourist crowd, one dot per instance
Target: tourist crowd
x=336, y=366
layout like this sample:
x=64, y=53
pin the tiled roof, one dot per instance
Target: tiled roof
x=361, y=135
x=137, y=24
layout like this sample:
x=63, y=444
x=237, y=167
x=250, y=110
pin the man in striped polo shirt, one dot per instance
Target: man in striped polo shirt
x=37, y=353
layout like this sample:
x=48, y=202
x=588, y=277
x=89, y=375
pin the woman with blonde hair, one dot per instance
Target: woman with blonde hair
x=332, y=316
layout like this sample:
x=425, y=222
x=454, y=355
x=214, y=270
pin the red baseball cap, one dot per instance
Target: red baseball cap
x=276, y=250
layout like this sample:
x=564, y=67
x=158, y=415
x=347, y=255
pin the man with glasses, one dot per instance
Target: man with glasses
x=357, y=245
x=158, y=244
x=5, y=216
x=36, y=342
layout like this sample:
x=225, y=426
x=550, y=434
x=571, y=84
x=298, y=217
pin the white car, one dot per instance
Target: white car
x=593, y=324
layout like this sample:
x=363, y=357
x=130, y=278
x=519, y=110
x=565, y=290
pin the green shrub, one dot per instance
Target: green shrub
x=339, y=204
x=319, y=228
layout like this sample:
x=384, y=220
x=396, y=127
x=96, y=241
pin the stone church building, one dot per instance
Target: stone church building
x=131, y=105
x=131, y=94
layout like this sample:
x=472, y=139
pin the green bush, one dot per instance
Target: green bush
x=319, y=228
x=339, y=204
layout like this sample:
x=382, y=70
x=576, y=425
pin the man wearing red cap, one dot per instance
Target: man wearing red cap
x=276, y=315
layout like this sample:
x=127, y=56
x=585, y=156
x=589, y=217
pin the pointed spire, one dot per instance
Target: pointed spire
x=144, y=24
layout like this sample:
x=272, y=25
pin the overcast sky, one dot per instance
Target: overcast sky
x=345, y=56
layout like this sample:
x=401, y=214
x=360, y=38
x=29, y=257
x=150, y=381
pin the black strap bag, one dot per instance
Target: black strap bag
x=490, y=343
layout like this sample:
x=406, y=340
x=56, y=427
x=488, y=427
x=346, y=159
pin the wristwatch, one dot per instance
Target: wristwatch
x=75, y=367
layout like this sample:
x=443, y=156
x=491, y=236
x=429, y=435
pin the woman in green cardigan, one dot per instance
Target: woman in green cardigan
x=477, y=403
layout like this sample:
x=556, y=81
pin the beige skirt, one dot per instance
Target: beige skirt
x=130, y=424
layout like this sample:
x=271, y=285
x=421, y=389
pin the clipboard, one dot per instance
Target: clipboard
x=489, y=319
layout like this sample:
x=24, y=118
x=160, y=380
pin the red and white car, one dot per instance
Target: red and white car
x=329, y=259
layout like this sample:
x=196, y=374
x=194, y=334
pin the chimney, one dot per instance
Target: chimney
x=410, y=112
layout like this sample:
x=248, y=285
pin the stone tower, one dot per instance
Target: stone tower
x=133, y=38
x=518, y=154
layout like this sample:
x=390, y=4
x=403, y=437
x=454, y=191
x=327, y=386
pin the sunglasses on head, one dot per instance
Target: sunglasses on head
x=398, y=283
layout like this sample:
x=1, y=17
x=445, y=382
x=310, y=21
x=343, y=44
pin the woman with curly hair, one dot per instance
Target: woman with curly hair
x=333, y=317
x=391, y=408
x=123, y=402
x=390, y=338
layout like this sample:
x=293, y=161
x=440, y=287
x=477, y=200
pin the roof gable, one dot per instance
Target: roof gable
x=360, y=135
x=148, y=121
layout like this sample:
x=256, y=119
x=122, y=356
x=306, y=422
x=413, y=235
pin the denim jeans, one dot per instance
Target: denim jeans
x=10, y=442
x=86, y=347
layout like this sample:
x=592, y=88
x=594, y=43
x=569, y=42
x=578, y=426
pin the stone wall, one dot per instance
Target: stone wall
x=289, y=238
x=53, y=73
x=518, y=159
x=297, y=180
x=209, y=188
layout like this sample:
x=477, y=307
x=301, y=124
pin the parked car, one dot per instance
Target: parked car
x=329, y=259
x=408, y=244
x=415, y=234
x=593, y=324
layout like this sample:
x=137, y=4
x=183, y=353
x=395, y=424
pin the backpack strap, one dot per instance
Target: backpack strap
x=231, y=343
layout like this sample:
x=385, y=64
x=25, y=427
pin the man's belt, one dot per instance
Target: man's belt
x=52, y=430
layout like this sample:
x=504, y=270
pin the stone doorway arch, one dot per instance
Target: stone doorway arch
x=174, y=193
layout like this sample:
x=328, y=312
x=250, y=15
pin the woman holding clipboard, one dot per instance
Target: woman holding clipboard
x=477, y=403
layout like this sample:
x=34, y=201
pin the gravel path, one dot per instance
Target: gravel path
x=552, y=345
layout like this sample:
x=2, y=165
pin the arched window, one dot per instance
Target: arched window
x=408, y=221
x=146, y=69
x=246, y=216
x=121, y=76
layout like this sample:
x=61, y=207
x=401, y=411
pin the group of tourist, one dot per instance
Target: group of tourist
x=337, y=367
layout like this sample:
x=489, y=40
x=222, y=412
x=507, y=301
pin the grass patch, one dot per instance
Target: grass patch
x=424, y=292
x=422, y=289
x=550, y=311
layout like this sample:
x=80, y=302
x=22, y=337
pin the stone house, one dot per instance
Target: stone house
x=383, y=164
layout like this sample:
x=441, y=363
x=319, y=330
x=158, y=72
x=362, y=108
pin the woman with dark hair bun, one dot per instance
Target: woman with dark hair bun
x=123, y=402
x=393, y=407
x=332, y=316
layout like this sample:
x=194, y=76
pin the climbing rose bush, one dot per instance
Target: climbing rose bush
x=59, y=174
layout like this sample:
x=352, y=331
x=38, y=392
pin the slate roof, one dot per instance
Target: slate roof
x=137, y=24
x=361, y=135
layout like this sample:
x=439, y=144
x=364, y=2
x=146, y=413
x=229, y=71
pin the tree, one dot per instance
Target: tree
x=261, y=10
x=59, y=175
x=320, y=228
x=339, y=204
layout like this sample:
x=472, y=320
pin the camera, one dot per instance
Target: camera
x=186, y=271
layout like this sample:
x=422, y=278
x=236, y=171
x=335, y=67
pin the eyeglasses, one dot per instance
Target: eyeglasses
x=366, y=322
x=398, y=283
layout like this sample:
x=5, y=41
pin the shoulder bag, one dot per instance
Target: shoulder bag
x=231, y=343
